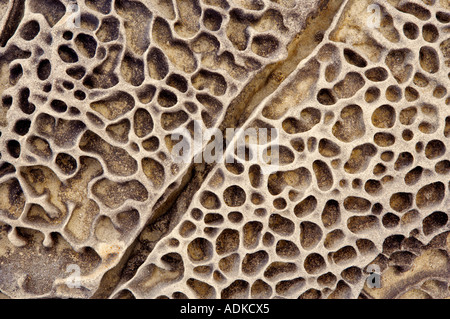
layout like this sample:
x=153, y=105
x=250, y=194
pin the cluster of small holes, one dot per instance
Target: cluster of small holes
x=258, y=241
x=302, y=231
x=90, y=109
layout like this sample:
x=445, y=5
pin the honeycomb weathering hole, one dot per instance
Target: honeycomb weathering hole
x=96, y=110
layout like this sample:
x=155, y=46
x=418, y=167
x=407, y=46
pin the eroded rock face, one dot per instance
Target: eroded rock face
x=89, y=113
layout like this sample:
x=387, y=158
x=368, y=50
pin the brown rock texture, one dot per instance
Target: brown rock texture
x=354, y=94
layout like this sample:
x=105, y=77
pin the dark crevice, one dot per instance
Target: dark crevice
x=271, y=77
x=172, y=205
x=12, y=23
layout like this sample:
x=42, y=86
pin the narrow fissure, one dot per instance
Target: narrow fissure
x=174, y=203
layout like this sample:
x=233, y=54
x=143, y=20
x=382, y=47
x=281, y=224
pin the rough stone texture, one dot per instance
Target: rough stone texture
x=87, y=176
